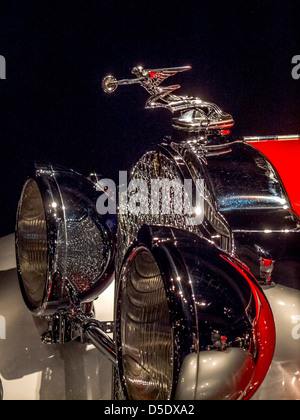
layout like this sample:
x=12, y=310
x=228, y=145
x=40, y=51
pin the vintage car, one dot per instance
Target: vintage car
x=203, y=240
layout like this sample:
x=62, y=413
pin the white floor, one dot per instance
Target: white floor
x=31, y=370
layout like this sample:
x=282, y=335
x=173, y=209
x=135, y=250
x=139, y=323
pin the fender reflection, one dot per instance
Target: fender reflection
x=220, y=375
x=264, y=330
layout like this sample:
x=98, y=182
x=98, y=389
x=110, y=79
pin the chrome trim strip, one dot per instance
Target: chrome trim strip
x=256, y=139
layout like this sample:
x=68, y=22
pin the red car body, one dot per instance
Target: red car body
x=284, y=154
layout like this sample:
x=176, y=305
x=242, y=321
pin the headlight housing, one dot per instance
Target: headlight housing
x=64, y=249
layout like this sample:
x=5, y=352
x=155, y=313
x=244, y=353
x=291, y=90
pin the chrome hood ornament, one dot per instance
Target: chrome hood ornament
x=196, y=116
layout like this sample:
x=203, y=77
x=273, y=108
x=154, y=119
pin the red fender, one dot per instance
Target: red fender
x=285, y=156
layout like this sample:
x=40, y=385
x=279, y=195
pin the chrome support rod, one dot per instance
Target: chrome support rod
x=93, y=331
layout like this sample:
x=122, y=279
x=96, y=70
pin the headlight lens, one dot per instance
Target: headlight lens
x=32, y=243
x=146, y=331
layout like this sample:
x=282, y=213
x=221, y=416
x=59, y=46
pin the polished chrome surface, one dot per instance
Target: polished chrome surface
x=173, y=161
x=266, y=269
x=148, y=79
x=93, y=330
x=195, y=115
x=63, y=239
x=218, y=313
x=251, y=139
x=244, y=179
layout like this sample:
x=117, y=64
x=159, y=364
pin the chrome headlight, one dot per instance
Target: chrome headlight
x=192, y=322
x=64, y=248
x=145, y=329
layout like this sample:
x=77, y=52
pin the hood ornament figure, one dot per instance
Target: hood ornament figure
x=196, y=116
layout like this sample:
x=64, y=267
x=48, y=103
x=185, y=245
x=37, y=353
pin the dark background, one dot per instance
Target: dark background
x=52, y=107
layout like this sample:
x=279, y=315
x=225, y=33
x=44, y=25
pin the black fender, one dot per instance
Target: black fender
x=218, y=312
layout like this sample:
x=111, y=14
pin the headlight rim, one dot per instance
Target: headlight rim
x=68, y=197
x=45, y=188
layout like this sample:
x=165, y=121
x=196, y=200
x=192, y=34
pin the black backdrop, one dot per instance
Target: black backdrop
x=51, y=104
